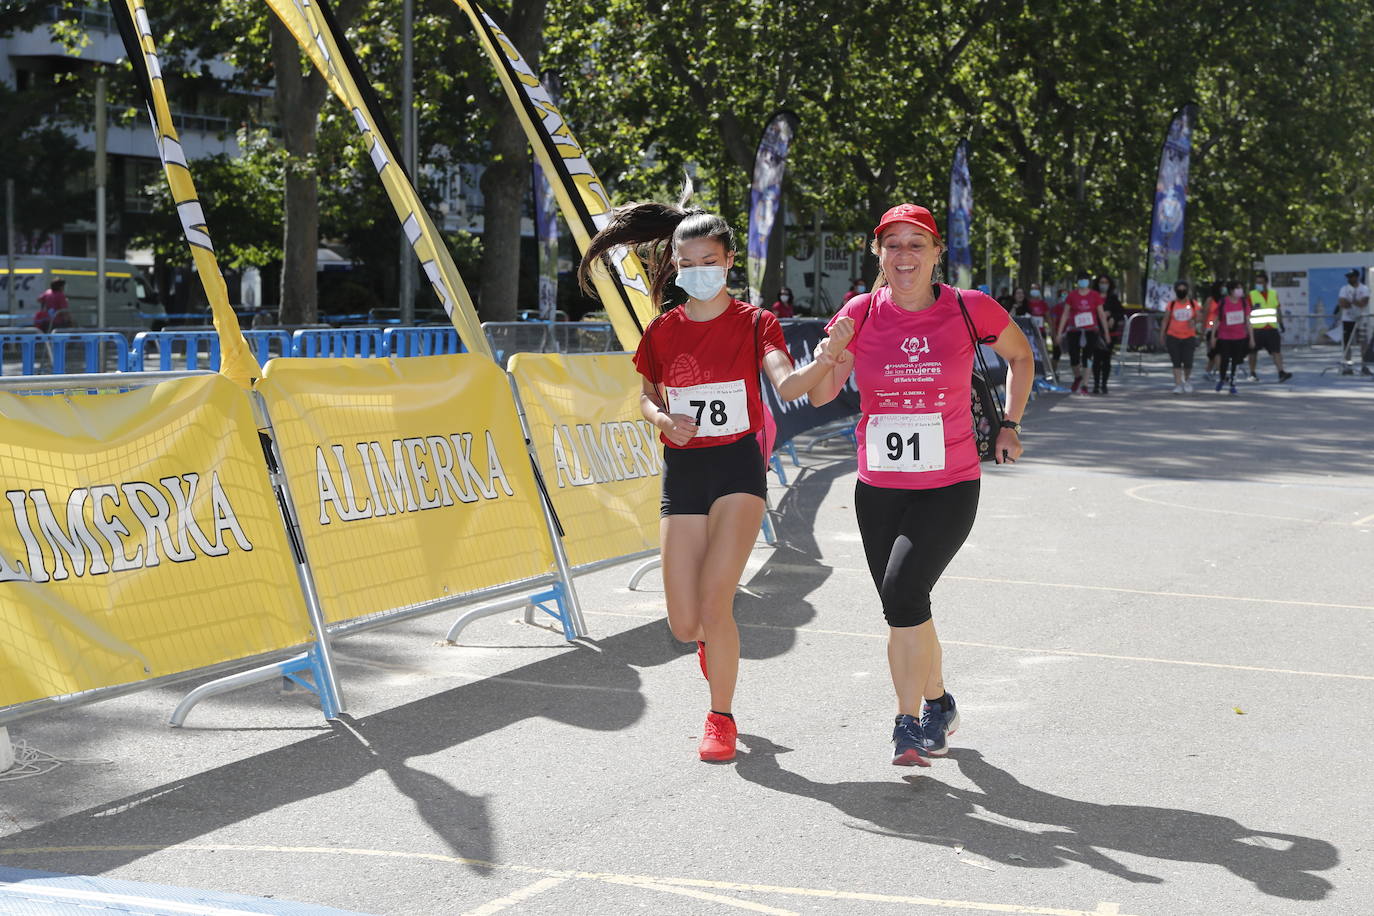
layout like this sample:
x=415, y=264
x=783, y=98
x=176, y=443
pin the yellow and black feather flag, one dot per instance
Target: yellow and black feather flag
x=581, y=197
x=313, y=25
x=236, y=362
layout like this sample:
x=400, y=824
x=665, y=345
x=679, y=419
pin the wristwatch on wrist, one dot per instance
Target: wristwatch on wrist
x=1012, y=425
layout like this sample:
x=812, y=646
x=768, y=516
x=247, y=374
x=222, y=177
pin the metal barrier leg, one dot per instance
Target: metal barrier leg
x=568, y=600
x=500, y=607
x=769, y=537
x=642, y=571
x=287, y=668
x=792, y=453
x=775, y=463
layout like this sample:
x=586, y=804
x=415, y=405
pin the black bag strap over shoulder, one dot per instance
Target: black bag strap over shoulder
x=978, y=351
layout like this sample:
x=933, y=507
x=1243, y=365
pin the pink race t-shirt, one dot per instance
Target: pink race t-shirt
x=1231, y=317
x=913, y=371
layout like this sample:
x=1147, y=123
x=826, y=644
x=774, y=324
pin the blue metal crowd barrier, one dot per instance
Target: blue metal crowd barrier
x=268, y=344
x=425, y=341
x=196, y=345
x=27, y=343
x=95, y=346
x=338, y=342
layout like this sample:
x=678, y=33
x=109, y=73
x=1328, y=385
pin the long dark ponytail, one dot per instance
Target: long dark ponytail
x=654, y=229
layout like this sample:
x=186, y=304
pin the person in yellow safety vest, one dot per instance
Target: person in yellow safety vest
x=1267, y=321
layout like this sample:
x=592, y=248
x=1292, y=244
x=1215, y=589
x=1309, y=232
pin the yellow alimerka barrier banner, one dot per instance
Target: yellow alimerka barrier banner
x=314, y=28
x=236, y=362
x=410, y=478
x=601, y=459
x=581, y=196
x=139, y=537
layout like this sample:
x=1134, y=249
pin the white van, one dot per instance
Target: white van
x=129, y=299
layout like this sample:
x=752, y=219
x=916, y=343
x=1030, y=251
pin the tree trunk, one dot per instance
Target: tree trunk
x=506, y=182
x=299, y=96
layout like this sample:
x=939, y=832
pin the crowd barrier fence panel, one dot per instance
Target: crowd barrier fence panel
x=195, y=346
x=104, y=351
x=422, y=341
x=510, y=337
x=338, y=342
x=412, y=490
x=600, y=459
x=27, y=344
x=1142, y=329
x=268, y=343
x=143, y=543
x=1360, y=344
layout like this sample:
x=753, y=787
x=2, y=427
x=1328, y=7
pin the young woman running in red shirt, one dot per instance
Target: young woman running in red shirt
x=700, y=363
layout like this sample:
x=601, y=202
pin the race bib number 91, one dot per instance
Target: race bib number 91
x=907, y=442
x=718, y=408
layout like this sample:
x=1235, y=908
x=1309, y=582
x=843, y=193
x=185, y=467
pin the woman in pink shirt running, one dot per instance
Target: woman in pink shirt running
x=910, y=349
x=1235, y=337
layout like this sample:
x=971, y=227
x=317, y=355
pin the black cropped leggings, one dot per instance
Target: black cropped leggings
x=909, y=537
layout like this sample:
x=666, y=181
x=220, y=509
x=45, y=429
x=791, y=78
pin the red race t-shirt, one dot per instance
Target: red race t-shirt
x=1085, y=305
x=914, y=375
x=1038, y=308
x=709, y=370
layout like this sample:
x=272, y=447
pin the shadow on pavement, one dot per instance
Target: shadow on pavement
x=602, y=693
x=1055, y=830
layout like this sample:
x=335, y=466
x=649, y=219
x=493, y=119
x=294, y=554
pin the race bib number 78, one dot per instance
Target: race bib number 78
x=718, y=408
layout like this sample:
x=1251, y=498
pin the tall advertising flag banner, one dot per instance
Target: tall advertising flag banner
x=546, y=224
x=313, y=25
x=765, y=195
x=960, y=219
x=586, y=206
x=1170, y=203
x=236, y=362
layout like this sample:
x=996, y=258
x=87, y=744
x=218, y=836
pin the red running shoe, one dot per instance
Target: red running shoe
x=718, y=738
x=701, y=658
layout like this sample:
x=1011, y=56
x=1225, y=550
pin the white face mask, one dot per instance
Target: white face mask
x=785, y=297
x=701, y=283
x=1235, y=293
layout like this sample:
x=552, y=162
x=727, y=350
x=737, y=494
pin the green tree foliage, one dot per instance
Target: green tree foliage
x=1066, y=104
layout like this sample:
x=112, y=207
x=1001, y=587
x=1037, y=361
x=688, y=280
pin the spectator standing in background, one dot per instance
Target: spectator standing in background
x=1056, y=313
x=1116, y=320
x=784, y=308
x=1216, y=293
x=1351, y=305
x=1267, y=321
x=857, y=287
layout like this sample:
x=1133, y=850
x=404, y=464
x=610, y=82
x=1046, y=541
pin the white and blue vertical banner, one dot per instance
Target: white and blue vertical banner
x=546, y=220
x=957, y=232
x=1170, y=206
x=765, y=195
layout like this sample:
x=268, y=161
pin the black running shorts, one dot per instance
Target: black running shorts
x=694, y=478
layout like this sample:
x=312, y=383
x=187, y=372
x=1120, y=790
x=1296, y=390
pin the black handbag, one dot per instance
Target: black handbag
x=986, y=406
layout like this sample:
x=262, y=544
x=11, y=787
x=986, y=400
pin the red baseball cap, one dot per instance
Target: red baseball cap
x=909, y=213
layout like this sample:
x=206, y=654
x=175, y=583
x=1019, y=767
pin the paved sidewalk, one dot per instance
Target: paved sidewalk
x=1158, y=634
